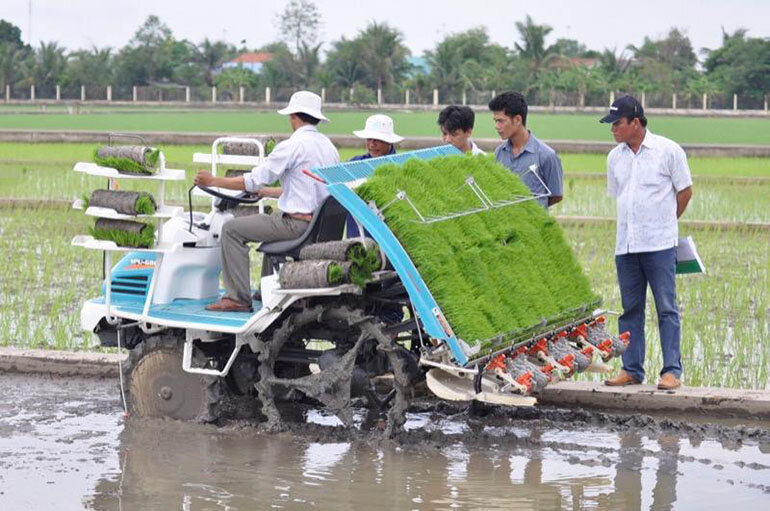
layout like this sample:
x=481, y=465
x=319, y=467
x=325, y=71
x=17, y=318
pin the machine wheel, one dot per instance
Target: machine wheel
x=157, y=386
x=351, y=331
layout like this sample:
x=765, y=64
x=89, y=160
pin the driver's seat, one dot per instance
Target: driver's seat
x=327, y=224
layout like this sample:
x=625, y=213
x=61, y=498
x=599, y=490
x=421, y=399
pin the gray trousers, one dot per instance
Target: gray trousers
x=235, y=237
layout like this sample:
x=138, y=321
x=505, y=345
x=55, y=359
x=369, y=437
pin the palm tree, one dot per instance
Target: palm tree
x=210, y=55
x=90, y=67
x=344, y=62
x=533, y=49
x=444, y=67
x=384, y=54
x=10, y=58
x=45, y=67
x=309, y=62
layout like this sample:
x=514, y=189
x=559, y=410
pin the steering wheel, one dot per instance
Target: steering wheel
x=244, y=198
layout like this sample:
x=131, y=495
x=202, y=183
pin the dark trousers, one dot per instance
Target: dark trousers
x=635, y=271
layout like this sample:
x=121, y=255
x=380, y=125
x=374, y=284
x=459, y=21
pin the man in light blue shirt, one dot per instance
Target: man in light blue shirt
x=534, y=161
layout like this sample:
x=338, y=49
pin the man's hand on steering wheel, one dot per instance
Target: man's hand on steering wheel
x=212, y=186
x=204, y=178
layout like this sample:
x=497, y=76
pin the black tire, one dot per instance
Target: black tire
x=332, y=386
x=155, y=384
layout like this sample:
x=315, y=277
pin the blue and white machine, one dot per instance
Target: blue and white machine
x=336, y=345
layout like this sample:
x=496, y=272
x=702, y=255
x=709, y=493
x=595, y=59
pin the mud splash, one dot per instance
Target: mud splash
x=64, y=444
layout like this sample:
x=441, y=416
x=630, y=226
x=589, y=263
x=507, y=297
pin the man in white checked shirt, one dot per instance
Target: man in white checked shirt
x=298, y=197
x=649, y=176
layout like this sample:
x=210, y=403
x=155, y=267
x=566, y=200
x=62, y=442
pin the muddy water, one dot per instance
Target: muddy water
x=64, y=445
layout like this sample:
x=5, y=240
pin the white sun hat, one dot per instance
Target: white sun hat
x=379, y=127
x=305, y=102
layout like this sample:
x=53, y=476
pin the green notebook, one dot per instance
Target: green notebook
x=687, y=258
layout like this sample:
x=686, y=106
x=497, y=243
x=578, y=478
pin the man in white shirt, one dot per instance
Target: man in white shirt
x=298, y=197
x=456, y=123
x=649, y=176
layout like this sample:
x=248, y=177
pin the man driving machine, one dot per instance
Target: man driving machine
x=298, y=196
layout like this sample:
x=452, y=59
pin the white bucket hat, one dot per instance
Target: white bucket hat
x=304, y=102
x=379, y=127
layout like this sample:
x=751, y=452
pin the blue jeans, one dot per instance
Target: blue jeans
x=635, y=271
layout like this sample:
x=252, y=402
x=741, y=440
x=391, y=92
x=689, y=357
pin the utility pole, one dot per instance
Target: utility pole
x=29, y=23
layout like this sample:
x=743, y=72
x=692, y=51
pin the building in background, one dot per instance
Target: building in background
x=251, y=61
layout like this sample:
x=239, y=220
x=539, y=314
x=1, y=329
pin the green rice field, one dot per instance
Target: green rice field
x=43, y=171
x=707, y=130
x=725, y=313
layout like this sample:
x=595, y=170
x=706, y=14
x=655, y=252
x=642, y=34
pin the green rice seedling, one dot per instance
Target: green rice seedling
x=504, y=270
x=269, y=146
x=335, y=274
x=145, y=205
x=140, y=235
x=365, y=262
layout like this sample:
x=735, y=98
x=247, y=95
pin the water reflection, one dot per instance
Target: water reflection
x=167, y=465
x=60, y=448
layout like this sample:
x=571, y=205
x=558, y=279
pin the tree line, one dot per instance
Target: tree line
x=377, y=58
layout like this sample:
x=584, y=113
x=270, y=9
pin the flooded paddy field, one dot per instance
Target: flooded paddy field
x=726, y=312
x=66, y=445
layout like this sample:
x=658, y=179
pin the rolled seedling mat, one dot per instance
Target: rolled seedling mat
x=311, y=274
x=270, y=145
x=240, y=149
x=250, y=209
x=341, y=250
x=124, y=202
x=124, y=233
x=132, y=159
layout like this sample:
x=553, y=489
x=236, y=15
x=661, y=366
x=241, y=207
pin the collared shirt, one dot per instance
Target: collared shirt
x=306, y=148
x=367, y=155
x=645, y=185
x=535, y=157
x=351, y=226
x=475, y=149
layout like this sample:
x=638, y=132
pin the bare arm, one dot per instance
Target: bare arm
x=205, y=178
x=272, y=192
x=682, y=199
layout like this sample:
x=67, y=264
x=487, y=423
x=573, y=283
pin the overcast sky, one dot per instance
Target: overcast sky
x=597, y=23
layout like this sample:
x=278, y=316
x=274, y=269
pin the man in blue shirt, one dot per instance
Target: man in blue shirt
x=536, y=164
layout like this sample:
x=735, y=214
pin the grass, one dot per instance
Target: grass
x=709, y=130
x=180, y=156
x=699, y=166
x=712, y=201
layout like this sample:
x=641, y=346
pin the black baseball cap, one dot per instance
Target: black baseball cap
x=627, y=106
